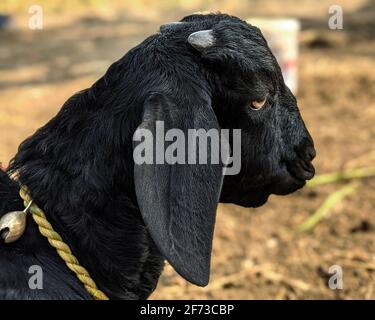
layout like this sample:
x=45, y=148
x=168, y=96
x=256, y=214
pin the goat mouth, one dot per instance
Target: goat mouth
x=301, y=171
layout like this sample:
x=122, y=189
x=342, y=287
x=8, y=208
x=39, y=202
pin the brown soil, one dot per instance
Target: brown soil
x=256, y=254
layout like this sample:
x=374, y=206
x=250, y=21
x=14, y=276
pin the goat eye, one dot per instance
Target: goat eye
x=258, y=104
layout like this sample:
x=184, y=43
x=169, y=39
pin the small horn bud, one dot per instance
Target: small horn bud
x=12, y=226
x=201, y=40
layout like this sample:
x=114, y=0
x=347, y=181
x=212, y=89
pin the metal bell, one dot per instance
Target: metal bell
x=13, y=224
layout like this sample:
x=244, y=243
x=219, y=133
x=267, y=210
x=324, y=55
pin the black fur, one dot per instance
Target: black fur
x=79, y=167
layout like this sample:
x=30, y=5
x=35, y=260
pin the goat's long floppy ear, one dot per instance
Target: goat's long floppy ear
x=178, y=201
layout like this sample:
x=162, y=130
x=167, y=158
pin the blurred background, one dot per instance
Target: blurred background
x=284, y=249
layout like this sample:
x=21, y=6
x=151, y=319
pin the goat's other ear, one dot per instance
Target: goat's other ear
x=178, y=202
x=201, y=40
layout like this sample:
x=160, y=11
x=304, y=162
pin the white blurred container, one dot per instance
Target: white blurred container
x=282, y=38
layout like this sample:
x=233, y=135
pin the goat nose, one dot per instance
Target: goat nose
x=306, y=151
x=311, y=152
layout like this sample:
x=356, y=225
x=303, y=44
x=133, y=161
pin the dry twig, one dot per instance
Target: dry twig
x=323, y=210
x=341, y=176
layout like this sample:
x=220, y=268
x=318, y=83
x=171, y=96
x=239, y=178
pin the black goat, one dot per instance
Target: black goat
x=123, y=219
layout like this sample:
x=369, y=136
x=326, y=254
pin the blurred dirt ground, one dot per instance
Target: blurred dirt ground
x=256, y=254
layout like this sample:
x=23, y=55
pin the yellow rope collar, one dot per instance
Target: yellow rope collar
x=62, y=248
